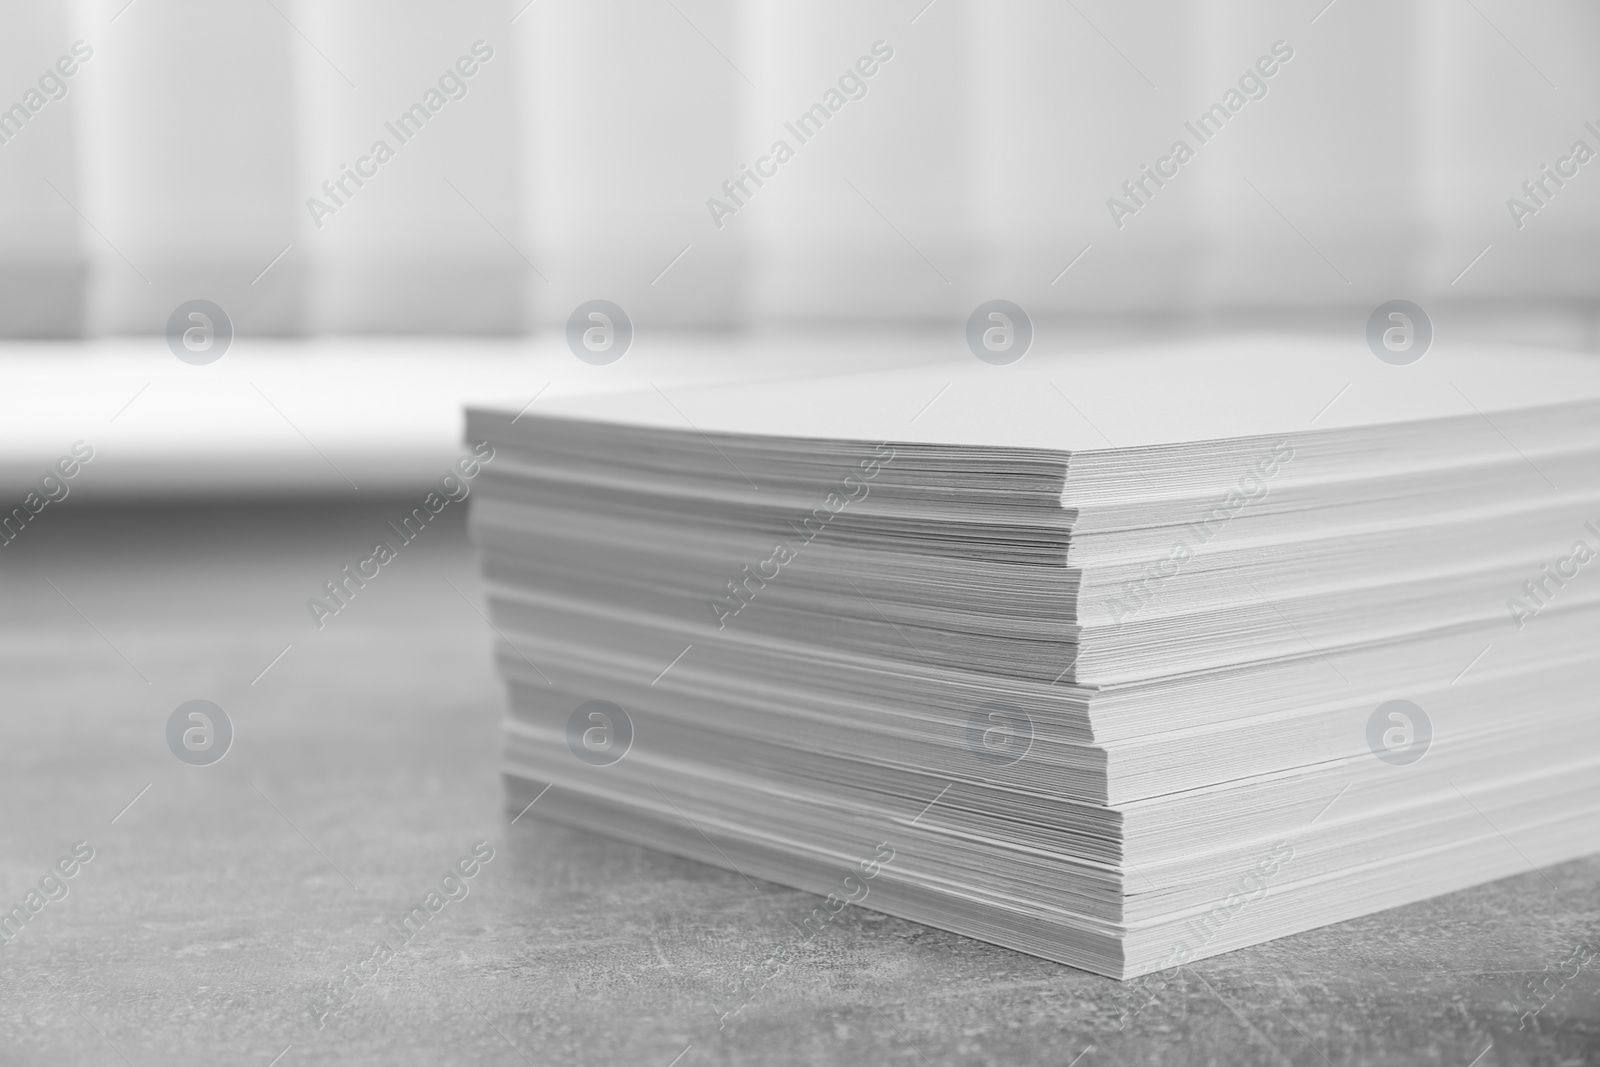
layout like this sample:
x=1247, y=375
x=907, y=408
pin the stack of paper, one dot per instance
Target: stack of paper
x=1122, y=659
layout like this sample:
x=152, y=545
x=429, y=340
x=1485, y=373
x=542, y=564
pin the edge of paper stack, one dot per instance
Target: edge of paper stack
x=1121, y=659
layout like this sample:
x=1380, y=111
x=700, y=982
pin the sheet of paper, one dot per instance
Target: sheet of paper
x=1118, y=398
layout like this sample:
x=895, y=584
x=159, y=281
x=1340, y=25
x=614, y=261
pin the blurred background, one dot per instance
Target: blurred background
x=579, y=161
x=160, y=151
x=205, y=150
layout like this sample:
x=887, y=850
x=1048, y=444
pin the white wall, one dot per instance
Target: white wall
x=978, y=164
x=1493, y=122
x=628, y=118
x=42, y=262
x=431, y=241
x=185, y=162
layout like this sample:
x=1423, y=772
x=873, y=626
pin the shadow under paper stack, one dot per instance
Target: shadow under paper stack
x=1262, y=664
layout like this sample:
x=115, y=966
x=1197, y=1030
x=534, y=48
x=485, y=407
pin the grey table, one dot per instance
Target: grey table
x=220, y=903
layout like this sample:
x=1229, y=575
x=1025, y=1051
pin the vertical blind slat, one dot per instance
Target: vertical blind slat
x=605, y=151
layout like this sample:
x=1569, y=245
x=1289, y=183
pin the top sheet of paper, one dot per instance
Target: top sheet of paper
x=1121, y=398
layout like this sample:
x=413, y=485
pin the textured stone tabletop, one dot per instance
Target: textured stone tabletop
x=223, y=899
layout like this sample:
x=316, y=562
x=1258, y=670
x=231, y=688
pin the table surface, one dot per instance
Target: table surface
x=365, y=760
